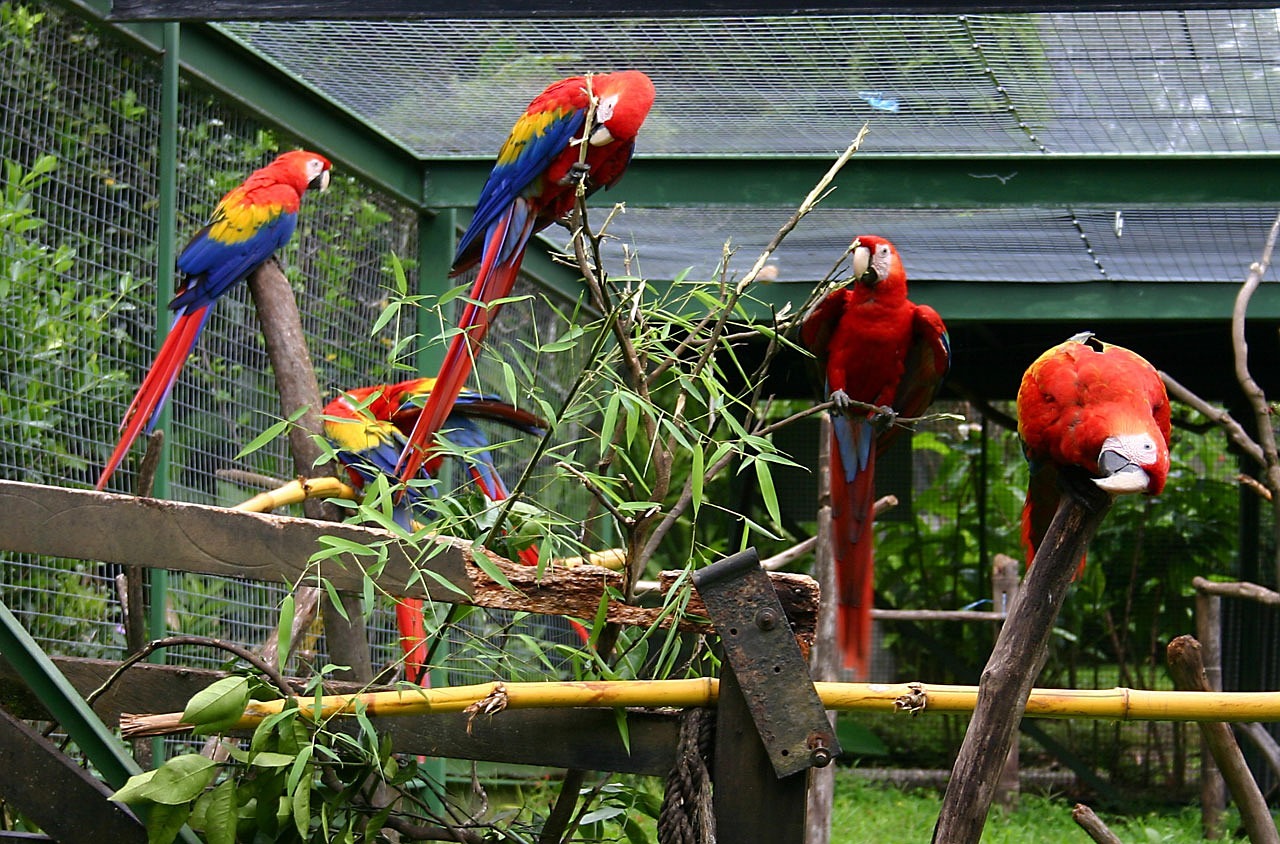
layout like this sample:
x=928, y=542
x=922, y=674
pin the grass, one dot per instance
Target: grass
x=866, y=811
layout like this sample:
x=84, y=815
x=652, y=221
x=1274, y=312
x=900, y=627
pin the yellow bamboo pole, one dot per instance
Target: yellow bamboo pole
x=1110, y=704
x=295, y=492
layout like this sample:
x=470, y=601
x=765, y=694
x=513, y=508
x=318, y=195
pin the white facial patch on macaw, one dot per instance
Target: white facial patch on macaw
x=872, y=268
x=1123, y=461
x=317, y=175
x=604, y=113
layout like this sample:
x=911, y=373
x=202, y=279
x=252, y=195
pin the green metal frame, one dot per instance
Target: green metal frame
x=432, y=185
x=898, y=181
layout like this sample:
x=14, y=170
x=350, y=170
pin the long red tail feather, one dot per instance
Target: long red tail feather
x=156, y=385
x=494, y=280
x=413, y=640
x=853, y=544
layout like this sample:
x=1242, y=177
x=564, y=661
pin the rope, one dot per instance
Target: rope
x=686, y=816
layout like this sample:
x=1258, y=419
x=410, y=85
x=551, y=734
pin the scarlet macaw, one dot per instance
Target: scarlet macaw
x=877, y=347
x=532, y=185
x=1096, y=406
x=368, y=427
x=248, y=225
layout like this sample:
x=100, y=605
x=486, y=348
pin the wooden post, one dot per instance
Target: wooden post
x=296, y=381
x=1213, y=790
x=751, y=803
x=1019, y=654
x=1006, y=582
x=1187, y=668
x=824, y=658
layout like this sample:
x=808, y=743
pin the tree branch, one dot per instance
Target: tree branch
x=1235, y=431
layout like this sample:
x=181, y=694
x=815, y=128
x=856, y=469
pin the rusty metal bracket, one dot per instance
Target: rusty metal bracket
x=763, y=653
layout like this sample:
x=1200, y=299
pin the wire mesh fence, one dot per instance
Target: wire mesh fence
x=79, y=135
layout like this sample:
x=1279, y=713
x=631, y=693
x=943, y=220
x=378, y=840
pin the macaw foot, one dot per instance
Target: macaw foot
x=882, y=418
x=577, y=174
x=841, y=401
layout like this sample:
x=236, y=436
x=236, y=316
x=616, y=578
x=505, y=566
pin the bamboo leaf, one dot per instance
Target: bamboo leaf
x=284, y=630
x=274, y=430
x=696, y=476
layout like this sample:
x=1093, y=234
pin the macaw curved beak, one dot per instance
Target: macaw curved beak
x=1123, y=461
x=863, y=272
x=319, y=183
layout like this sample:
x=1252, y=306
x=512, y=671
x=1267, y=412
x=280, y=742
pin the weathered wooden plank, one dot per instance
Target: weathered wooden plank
x=62, y=798
x=590, y=737
x=86, y=525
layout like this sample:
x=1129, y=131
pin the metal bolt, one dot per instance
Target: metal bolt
x=766, y=619
x=819, y=754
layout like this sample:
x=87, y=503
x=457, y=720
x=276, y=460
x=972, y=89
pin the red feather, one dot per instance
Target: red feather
x=248, y=225
x=876, y=347
x=1097, y=407
x=531, y=186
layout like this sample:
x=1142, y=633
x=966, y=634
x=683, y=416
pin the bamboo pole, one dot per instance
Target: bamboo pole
x=1111, y=704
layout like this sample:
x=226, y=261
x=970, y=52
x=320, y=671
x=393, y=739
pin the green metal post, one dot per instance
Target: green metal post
x=437, y=236
x=165, y=252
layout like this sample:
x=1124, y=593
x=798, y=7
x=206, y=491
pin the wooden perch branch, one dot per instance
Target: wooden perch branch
x=1093, y=825
x=1235, y=431
x=1016, y=661
x=1187, y=668
x=296, y=383
x=1247, y=591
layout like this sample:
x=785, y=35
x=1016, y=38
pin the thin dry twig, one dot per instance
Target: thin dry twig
x=1234, y=430
x=270, y=672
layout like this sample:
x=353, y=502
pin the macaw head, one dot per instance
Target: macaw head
x=876, y=262
x=1102, y=408
x=303, y=169
x=623, y=101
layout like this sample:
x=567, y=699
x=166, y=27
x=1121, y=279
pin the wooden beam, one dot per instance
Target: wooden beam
x=486, y=9
x=51, y=789
x=87, y=525
x=516, y=736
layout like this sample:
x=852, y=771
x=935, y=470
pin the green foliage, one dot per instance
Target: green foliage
x=866, y=811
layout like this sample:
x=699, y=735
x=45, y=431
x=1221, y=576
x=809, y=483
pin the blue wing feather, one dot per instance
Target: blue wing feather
x=212, y=266
x=509, y=179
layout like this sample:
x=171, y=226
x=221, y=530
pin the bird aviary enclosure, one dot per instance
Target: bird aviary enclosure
x=1042, y=172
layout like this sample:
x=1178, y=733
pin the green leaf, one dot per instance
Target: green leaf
x=165, y=822
x=219, y=705
x=624, y=730
x=696, y=476
x=487, y=566
x=765, y=478
x=221, y=816
x=398, y=274
x=284, y=630
x=301, y=806
x=134, y=790
x=181, y=780
x=604, y=813
x=270, y=759
x=271, y=433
